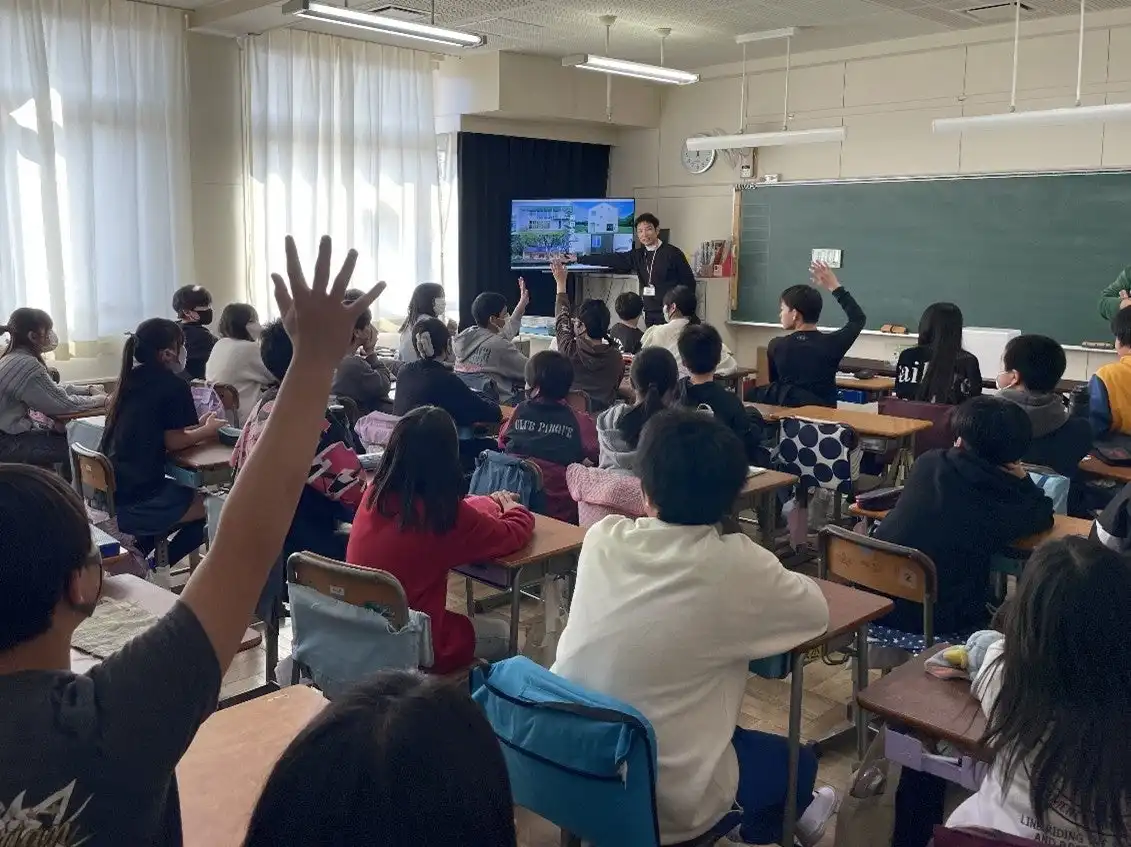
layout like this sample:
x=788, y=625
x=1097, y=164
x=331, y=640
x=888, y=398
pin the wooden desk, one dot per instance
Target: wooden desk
x=1097, y=467
x=865, y=423
x=93, y=412
x=222, y=773
x=1062, y=527
x=771, y=414
x=206, y=464
x=940, y=709
x=873, y=389
x=881, y=367
x=734, y=381
x=850, y=610
x=155, y=600
x=758, y=494
x=551, y=552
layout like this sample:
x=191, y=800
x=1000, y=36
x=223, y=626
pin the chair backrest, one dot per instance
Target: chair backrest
x=579, y=401
x=824, y=455
x=890, y=569
x=966, y=838
x=762, y=363
x=229, y=397
x=939, y=436
x=366, y=587
x=95, y=472
x=584, y=762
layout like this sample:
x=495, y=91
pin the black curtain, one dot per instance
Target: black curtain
x=493, y=171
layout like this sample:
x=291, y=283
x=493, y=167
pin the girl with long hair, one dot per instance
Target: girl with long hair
x=235, y=359
x=655, y=382
x=427, y=301
x=937, y=369
x=26, y=386
x=152, y=414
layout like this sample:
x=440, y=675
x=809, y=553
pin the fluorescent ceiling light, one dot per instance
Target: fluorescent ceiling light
x=382, y=24
x=637, y=70
x=1040, y=117
x=766, y=139
x=766, y=35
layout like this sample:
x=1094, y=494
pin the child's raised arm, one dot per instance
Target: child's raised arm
x=223, y=590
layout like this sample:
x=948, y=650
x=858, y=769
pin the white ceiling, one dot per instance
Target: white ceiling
x=702, y=30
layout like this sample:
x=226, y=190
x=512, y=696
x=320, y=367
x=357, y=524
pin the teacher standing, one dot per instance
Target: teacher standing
x=658, y=266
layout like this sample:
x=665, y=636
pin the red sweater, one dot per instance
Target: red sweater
x=422, y=560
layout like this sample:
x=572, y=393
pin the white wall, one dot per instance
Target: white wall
x=886, y=95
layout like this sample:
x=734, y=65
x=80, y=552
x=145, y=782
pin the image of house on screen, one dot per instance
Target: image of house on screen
x=604, y=217
x=550, y=216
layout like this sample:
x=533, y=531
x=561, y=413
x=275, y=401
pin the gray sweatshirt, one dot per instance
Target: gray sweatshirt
x=493, y=354
x=616, y=455
x=25, y=385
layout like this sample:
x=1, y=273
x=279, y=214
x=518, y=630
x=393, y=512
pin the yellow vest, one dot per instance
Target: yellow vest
x=1116, y=378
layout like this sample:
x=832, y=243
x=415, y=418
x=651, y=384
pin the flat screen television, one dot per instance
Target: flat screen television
x=544, y=229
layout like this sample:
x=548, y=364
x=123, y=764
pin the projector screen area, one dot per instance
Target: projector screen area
x=542, y=230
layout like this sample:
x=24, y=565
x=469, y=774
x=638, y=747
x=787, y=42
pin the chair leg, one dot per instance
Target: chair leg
x=469, y=590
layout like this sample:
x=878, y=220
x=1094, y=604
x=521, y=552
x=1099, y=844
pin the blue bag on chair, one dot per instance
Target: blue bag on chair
x=496, y=471
x=584, y=762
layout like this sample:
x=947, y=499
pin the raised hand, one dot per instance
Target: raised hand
x=822, y=276
x=523, y=294
x=319, y=323
x=1124, y=299
x=561, y=275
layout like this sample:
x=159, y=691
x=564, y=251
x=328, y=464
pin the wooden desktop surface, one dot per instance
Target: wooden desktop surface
x=941, y=709
x=865, y=423
x=221, y=775
x=885, y=368
x=551, y=538
x=93, y=412
x=1062, y=527
x=848, y=609
x=1098, y=467
x=203, y=456
x=154, y=599
x=876, y=383
x=765, y=482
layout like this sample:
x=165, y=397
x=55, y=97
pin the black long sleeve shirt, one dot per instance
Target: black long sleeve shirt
x=663, y=269
x=807, y=360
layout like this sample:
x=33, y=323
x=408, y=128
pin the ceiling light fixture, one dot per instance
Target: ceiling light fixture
x=621, y=67
x=1039, y=117
x=750, y=140
x=313, y=10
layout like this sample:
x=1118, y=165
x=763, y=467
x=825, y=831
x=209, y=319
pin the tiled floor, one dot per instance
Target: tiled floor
x=827, y=690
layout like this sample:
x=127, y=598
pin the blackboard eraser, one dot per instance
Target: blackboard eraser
x=894, y=329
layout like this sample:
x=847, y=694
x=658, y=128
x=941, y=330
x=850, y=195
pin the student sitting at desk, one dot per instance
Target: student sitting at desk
x=193, y=305
x=679, y=312
x=427, y=301
x=937, y=369
x=415, y=523
x=90, y=758
x=598, y=364
x=961, y=507
x=428, y=380
x=342, y=780
x=803, y=364
x=1031, y=366
x=152, y=414
x=700, y=348
x=488, y=347
x=626, y=331
x=235, y=359
x=549, y=431
x=1057, y=698
x=361, y=376
x=334, y=486
x=655, y=381
x=667, y=614
x=1109, y=405
x=26, y=386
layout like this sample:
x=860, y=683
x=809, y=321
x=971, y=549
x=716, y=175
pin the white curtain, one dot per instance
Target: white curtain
x=342, y=140
x=95, y=204
x=446, y=147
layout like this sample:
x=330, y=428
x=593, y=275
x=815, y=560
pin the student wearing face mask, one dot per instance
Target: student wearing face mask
x=152, y=414
x=427, y=302
x=235, y=359
x=26, y=386
x=488, y=347
x=193, y=305
x=679, y=313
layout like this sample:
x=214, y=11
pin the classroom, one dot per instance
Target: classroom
x=516, y=423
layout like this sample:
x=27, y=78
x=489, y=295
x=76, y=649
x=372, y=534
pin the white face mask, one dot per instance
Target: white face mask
x=668, y=315
x=182, y=359
x=1005, y=380
x=52, y=341
x=440, y=307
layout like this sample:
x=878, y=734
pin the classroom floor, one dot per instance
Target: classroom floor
x=827, y=690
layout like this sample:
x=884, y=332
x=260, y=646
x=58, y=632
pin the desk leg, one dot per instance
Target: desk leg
x=766, y=519
x=796, y=690
x=859, y=683
x=516, y=603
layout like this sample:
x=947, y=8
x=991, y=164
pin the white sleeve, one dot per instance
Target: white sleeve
x=789, y=608
x=986, y=686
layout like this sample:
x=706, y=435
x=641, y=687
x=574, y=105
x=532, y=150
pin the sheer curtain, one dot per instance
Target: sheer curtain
x=95, y=204
x=446, y=150
x=342, y=140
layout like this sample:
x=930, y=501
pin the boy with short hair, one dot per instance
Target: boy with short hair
x=667, y=613
x=488, y=347
x=1032, y=365
x=549, y=431
x=964, y=505
x=701, y=350
x=1109, y=407
x=803, y=364
x=193, y=305
x=626, y=331
x=362, y=376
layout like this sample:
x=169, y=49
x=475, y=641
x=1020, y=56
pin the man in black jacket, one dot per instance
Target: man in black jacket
x=660, y=267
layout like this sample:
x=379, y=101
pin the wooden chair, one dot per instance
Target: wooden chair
x=230, y=398
x=579, y=400
x=365, y=587
x=93, y=470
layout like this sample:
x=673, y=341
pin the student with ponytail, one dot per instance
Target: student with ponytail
x=152, y=414
x=655, y=380
x=679, y=313
x=428, y=379
x=598, y=365
x=26, y=386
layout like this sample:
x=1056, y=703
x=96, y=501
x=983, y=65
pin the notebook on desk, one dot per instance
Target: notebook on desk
x=107, y=544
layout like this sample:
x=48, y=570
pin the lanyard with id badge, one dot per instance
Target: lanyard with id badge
x=649, y=290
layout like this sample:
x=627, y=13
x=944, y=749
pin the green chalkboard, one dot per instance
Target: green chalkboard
x=1030, y=252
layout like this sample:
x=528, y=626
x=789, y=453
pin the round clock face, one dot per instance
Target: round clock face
x=698, y=161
